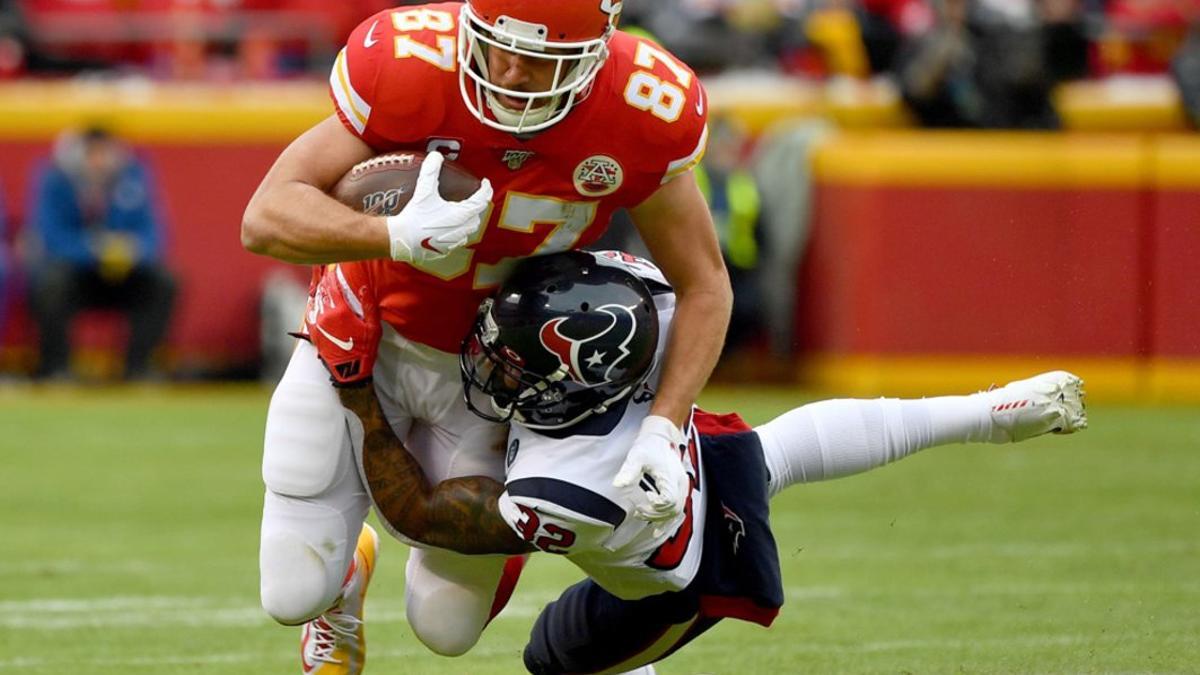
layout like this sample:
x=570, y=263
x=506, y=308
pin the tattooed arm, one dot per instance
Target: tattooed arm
x=460, y=514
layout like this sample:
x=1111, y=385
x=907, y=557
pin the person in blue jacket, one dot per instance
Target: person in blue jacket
x=6, y=268
x=98, y=239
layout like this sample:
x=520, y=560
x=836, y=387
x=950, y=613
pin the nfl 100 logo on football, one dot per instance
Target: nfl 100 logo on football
x=598, y=176
x=383, y=203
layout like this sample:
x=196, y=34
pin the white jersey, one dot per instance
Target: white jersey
x=559, y=494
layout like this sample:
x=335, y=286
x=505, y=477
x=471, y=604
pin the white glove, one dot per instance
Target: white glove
x=654, y=471
x=429, y=227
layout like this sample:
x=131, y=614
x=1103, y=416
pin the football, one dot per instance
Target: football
x=383, y=185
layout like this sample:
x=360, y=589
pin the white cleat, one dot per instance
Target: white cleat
x=1047, y=403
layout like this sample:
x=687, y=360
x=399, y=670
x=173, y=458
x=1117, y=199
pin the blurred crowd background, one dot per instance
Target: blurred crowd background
x=972, y=63
x=784, y=75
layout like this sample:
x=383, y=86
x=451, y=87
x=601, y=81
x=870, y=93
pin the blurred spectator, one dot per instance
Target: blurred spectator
x=837, y=32
x=711, y=35
x=982, y=65
x=733, y=199
x=6, y=267
x=783, y=166
x=13, y=40
x=1141, y=36
x=1185, y=70
x=284, y=297
x=20, y=52
x=885, y=26
x=1065, y=31
x=209, y=39
x=97, y=241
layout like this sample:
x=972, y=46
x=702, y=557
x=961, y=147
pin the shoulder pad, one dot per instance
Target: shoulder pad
x=391, y=81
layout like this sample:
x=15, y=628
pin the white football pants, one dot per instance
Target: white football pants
x=316, y=501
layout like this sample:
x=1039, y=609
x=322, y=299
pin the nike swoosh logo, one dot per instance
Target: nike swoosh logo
x=430, y=247
x=346, y=345
x=368, y=42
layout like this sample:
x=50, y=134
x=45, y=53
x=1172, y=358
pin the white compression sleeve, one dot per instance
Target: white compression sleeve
x=831, y=439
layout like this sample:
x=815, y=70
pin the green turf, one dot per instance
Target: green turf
x=129, y=527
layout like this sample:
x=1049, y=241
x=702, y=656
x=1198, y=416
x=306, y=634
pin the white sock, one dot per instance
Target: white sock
x=841, y=437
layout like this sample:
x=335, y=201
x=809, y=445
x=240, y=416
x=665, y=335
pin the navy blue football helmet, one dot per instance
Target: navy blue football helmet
x=565, y=337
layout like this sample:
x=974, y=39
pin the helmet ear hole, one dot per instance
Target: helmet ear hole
x=583, y=307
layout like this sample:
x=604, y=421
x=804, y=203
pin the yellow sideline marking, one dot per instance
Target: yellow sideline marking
x=1174, y=380
x=1118, y=104
x=985, y=159
x=1118, y=379
x=192, y=113
x=1177, y=161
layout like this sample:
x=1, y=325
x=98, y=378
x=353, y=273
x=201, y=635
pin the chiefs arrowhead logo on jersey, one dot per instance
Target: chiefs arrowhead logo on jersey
x=598, y=175
x=584, y=360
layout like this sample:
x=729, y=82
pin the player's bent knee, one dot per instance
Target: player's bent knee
x=446, y=617
x=442, y=630
x=449, y=598
x=294, y=582
x=306, y=430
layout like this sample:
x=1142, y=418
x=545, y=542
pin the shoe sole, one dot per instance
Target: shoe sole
x=1069, y=402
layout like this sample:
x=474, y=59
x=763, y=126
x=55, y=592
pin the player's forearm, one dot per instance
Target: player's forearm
x=395, y=479
x=459, y=514
x=697, y=335
x=678, y=229
x=296, y=222
x=464, y=516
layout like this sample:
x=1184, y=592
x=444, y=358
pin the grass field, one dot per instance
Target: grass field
x=129, y=533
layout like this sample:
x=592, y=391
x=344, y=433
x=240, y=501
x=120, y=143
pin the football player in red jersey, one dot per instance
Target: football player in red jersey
x=568, y=119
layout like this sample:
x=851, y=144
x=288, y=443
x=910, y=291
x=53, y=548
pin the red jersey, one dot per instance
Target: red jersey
x=396, y=86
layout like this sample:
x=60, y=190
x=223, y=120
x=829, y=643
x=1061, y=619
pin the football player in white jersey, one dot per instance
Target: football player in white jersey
x=566, y=351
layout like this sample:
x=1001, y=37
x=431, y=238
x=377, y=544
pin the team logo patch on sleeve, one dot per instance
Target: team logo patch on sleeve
x=598, y=175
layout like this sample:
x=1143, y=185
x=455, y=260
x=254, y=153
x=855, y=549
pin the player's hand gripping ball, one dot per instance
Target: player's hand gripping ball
x=343, y=323
x=432, y=206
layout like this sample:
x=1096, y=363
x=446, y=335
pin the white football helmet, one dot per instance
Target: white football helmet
x=573, y=34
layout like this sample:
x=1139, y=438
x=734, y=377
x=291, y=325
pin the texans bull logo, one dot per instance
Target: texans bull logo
x=584, y=360
x=734, y=525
